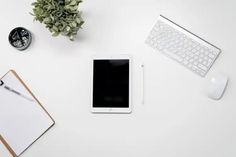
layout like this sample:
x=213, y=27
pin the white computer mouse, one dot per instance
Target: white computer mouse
x=217, y=86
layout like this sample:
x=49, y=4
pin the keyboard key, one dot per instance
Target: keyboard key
x=211, y=55
x=202, y=67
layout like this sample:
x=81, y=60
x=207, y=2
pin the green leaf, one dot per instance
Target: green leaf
x=72, y=37
x=73, y=24
x=73, y=2
x=47, y=20
x=67, y=1
x=55, y=34
x=55, y=28
x=78, y=20
x=68, y=28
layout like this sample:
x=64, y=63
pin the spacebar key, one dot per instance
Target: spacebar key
x=173, y=56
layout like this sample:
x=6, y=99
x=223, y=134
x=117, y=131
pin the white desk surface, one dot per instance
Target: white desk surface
x=177, y=119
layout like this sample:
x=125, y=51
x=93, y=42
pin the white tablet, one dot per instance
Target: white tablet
x=111, y=89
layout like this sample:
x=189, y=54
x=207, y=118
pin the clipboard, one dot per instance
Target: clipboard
x=23, y=120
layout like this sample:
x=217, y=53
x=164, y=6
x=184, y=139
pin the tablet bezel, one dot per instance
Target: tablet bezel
x=111, y=110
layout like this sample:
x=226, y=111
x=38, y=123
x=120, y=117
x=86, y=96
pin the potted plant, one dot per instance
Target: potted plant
x=59, y=16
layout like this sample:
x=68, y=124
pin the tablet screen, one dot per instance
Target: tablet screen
x=111, y=83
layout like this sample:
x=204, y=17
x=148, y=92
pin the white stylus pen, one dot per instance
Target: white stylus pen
x=142, y=66
x=14, y=91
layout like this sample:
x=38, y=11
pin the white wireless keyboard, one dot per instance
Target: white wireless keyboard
x=183, y=46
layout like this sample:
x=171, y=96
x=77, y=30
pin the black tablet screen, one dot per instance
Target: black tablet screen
x=111, y=83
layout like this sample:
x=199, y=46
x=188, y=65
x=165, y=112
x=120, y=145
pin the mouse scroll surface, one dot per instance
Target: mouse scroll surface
x=217, y=86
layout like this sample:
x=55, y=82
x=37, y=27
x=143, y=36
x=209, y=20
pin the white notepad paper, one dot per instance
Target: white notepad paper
x=22, y=118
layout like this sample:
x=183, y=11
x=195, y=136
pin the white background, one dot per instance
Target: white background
x=177, y=119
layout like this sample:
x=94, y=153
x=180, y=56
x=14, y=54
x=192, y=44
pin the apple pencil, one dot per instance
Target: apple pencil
x=142, y=66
